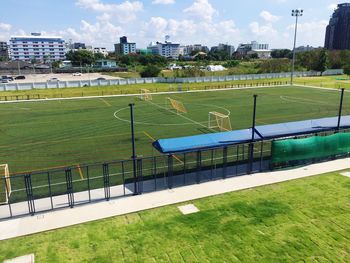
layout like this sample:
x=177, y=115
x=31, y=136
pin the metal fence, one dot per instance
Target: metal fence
x=43, y=191
x=171, y=88
x=48, y=190
x=118, y=82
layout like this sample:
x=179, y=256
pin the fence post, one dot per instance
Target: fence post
x=106, y=184
x=29, y=192
x=69, y=182
x=224, y=163
x=199, y=167
x=170, y=171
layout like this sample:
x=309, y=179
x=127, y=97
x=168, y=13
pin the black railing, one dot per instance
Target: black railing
x=43, y=191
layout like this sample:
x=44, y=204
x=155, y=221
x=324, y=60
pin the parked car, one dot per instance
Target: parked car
x=20, y=77
x=4, y=80
x=77, y=74
x=9, y=78
x=53, y=80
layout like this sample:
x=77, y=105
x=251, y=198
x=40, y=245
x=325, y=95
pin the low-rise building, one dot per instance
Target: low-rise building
x=105, y=63
x=262, y=50
x=101, y=50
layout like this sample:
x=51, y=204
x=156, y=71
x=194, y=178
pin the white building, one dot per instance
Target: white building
x=262, y=50
x=167, y=49
x=38, y=47
x=101, y=50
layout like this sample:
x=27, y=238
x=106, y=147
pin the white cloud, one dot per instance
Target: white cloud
x=268, y=17
x=163, y=2
x=5, y=27
x=124, y=12
x=262, y=30
x=310, y=33
x=201, y=9
x=190, y=32
x=332, y=7
x=101, y=34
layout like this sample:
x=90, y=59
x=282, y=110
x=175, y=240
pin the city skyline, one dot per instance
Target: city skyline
x=207, y=22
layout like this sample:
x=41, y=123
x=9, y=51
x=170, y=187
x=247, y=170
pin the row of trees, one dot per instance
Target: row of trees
x=83, y=57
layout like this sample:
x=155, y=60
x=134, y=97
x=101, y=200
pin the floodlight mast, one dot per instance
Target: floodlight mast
x=297, y=13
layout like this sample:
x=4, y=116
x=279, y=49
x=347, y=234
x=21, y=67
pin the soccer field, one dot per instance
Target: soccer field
x=41, y=135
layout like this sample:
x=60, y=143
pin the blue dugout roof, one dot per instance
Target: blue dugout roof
x=264, y=132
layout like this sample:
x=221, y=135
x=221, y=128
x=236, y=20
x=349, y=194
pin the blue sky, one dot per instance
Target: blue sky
x=102, y=22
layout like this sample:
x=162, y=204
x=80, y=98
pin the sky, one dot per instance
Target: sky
x=100, y=23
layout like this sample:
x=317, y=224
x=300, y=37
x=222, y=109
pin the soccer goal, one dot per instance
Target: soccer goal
x=5, y=184
x=219, y=121
x=175, y=105
x=145, y=95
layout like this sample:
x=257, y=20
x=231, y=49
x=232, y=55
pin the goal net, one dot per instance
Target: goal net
x=175, y=105
x=219, y=121
x=5, y=184
x=145, y=95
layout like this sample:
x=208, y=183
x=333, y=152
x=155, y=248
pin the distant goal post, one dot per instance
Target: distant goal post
x=220, y=121
x=5, y=184
x=145, y=95
x=176, y=105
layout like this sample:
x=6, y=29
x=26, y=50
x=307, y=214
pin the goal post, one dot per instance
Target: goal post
x=145, y=95
x=217, y=120
x=175, y=105
x=5, y=184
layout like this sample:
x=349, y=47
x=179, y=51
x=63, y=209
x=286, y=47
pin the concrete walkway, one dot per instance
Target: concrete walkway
x=66, y=217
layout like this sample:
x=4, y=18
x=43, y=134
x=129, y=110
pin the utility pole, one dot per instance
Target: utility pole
x=134, y=157
x=297, y=13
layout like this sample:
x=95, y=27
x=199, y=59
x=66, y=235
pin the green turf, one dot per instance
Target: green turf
x=38, y=135
x=304, y=220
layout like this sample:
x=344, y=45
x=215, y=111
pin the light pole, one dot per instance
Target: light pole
x=296, y=13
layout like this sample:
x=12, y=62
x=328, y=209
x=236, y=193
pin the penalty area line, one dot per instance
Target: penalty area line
x=153, y=140
x=106, y=102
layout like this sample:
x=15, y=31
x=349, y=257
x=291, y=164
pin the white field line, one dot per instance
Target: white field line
x=130, y=172
x=321, y=88
x=181, y=115
x=137, y=94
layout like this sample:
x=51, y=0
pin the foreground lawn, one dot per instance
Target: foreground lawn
x=300, y=221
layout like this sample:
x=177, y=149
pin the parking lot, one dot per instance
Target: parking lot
x=61, y=77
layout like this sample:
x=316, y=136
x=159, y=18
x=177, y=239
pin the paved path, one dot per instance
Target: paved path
x=95, y=211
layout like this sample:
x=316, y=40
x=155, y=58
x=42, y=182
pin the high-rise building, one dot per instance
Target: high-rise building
x=338, y=30
x=3, y=50
x=167, y=49
x=37, y=47
x=78, y=45
x=124, y=47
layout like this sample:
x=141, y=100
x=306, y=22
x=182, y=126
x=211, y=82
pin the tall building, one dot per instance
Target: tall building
x=167, y=49
x=38, y=47
x=3, y=50
x=124, y=47
x=78, y=45
x=229, y=49
x=190, y=49
x=338, y=30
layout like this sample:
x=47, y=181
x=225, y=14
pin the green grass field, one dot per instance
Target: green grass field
x=305, y=220
x=39, y=135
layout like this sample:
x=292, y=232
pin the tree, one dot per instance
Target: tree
x=347, y=70
x=150, y=71
x=81, y=57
